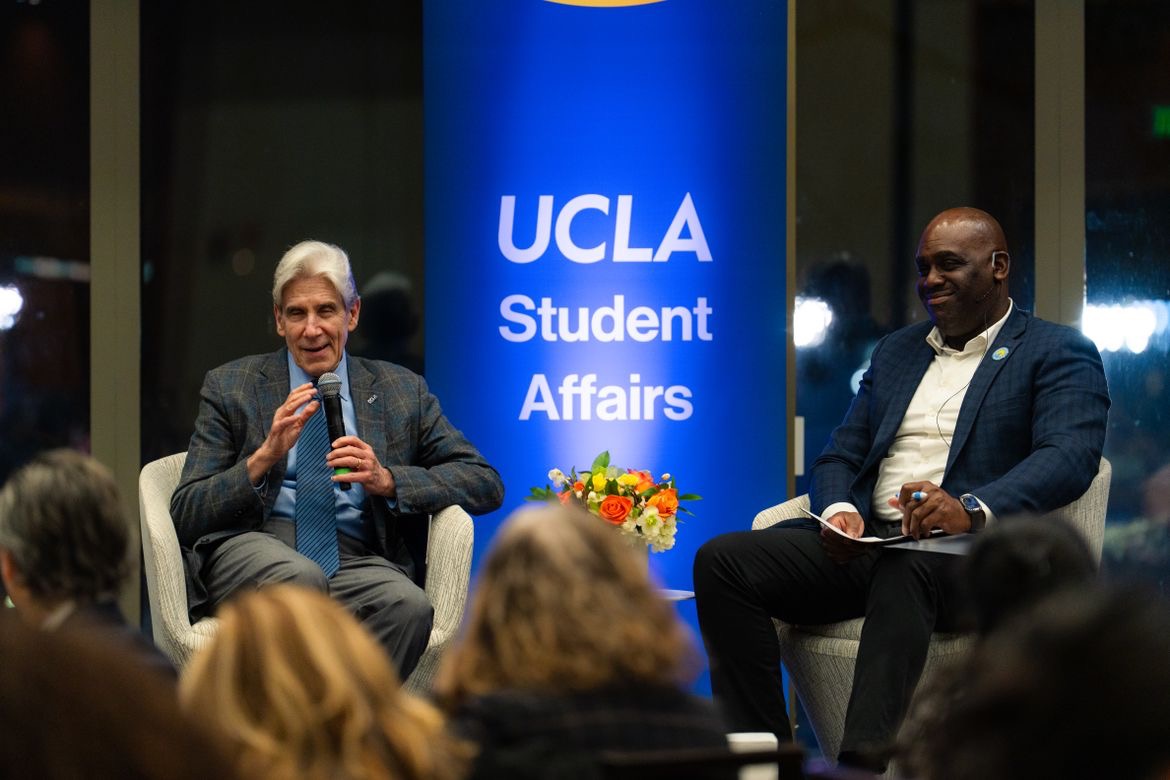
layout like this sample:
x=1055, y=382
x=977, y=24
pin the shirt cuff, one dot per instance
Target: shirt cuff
x=988, y=515
x=840, y=506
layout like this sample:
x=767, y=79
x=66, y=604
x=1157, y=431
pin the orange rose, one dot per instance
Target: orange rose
x=614, y=509
x=566, y=497
x=666, y=502
x=645, y=481
x=578, y=486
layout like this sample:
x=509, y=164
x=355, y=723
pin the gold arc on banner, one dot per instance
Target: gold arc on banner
x=605, y=3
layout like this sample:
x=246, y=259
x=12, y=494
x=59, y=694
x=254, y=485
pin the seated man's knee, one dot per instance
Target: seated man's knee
x=405, y=606
x=400, y=617
x=298, y=570
x=417, y=609
x=711, y=560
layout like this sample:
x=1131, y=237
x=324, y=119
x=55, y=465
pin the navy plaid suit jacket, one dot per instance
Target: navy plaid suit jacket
x=433, y=464
x=1029, y=433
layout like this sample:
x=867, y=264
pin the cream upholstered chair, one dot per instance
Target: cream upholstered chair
x=820, y=658
x=449, y=547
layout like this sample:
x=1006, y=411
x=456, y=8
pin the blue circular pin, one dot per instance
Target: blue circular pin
x=1000, y=353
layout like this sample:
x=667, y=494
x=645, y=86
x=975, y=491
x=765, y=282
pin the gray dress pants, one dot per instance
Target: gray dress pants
x=377, y=591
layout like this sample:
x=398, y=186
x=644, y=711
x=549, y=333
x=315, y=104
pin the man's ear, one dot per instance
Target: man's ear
x=9, y=571
x=279, y=321
x=354, y=311
x=1001, y=263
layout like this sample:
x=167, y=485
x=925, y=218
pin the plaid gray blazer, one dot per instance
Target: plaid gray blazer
x=433, y=464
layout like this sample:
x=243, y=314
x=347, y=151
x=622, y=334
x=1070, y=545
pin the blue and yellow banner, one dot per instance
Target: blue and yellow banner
x=605, y=233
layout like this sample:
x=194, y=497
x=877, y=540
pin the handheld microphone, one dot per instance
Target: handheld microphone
x=329, y=385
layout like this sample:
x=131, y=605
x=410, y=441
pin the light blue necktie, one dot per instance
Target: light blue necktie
x=315, y=510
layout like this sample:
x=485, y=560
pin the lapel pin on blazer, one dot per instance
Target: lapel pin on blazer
x=1000, y=353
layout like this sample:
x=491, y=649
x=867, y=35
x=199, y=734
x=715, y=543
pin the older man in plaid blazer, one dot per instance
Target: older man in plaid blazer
x=235, y=508
x=979, y=414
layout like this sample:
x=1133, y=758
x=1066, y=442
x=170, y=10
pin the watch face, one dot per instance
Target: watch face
x=971, y=504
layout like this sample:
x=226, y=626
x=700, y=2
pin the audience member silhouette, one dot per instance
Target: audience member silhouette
x=1015, y=563
x=65, y=547
x=298, y=688
x=1077, y=687
x=71, y=706
x=1012, y=566
x=569, y=650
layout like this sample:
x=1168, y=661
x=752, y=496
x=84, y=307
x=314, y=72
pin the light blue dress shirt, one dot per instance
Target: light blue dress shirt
x=349, y=503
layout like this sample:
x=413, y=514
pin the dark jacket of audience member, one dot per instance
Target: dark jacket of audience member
x=1011, y=566
x=570, y=650
x=73, y=704
x=1078, y=687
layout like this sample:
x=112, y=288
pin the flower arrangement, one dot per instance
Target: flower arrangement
x=642, y=509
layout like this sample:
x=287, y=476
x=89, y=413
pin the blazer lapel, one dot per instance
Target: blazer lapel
x=1009, y=336
x=909, y=377
x=368, y=406
x=271, y=390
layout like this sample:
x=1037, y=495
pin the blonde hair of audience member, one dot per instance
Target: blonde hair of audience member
x=563, y=604
x=299, y=688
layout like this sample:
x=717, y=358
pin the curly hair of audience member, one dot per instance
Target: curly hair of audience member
x=299, y=688
x=564, y=604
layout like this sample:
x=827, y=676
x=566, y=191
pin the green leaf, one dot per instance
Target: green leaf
x=690, y=497
x=686, y=511
x=545, y=493
x=600, y=463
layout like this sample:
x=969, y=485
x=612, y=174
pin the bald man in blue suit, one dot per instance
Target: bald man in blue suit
x=982, y=413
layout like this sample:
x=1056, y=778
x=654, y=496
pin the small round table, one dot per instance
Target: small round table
x=676, y=595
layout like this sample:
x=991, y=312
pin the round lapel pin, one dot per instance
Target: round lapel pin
x=1000, y=353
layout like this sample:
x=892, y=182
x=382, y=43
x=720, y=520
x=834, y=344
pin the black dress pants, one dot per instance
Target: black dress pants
x=744, y=579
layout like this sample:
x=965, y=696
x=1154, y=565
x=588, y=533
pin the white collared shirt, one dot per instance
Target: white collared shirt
x=923, y=441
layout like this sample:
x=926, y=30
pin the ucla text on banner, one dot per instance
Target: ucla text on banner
x=605, y=239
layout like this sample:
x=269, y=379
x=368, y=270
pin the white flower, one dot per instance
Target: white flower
x=663, y=543
x=651, y=523
x=664, y=478
x=557, y=477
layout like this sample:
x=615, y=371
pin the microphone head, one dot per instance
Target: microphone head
x=329, y=385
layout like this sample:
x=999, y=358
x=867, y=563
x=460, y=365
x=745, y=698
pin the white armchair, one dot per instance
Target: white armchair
x=449, y=548
x=820, y=658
